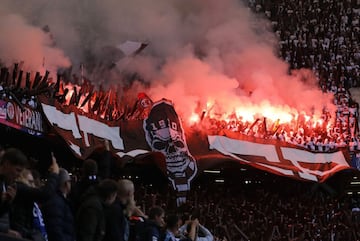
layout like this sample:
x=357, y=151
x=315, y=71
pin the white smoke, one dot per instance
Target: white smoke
x=199, y=50
x=22, y=42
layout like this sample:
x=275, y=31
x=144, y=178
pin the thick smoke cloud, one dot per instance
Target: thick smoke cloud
x=199, y=51
x=21, y=42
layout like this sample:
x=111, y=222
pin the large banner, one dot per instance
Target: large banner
x=182, y=154
x=281, y=160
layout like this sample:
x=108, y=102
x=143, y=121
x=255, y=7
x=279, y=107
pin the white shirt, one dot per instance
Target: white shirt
x=208, y=235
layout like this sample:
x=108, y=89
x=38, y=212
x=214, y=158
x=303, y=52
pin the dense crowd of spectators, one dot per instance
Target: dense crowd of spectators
x=325, y=135
x=281, y=210
x=323, y=36
x=92, y=207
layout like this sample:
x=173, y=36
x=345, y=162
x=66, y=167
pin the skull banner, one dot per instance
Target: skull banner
x=164, y=133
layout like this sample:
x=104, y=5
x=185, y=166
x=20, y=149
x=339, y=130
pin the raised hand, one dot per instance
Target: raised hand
x=54, y=167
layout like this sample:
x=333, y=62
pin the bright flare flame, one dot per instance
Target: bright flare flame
x=272, y=115
x=245, y=114
x=194, y=118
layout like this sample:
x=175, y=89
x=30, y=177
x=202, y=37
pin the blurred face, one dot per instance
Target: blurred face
x=111, y=199
x=131, y=195
x=160, y=220
x=176, y=230
x=11, y=172
x=126, y=193
x=30, y=180
x=67, y=187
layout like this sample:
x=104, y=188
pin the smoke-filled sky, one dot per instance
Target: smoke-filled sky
x=199, y=50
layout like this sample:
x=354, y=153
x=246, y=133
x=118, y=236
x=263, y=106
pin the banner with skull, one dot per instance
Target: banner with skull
x=164, y=133
x=160, y=139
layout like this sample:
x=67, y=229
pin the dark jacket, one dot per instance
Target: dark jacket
x=90, y=218
x=4, y=209
x=59, y=220
x=117, y=224
x=4, y=205
x=79, y=189
x=21, y=213
x=136, y=226
x=152, y=232
x=4, y=223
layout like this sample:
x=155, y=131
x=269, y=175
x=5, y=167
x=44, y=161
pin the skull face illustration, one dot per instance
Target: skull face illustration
x=171, y=143
x=164, y=133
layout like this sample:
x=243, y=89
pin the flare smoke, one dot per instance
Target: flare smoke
x=199, y=51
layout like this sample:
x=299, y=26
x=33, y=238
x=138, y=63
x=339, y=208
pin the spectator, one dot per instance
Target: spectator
x=172, y=227
x=192, y=230
x=117, y=214
x=12, y=164
x=153, y=227
x=58, y=215
x=122, y=211
x=88, y=178
x=90, y=218
x=25, y=215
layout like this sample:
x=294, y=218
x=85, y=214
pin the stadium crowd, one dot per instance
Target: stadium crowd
x=320, y=35
x=88, y=206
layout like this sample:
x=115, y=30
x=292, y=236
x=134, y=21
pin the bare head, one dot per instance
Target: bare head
x=126, y=191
